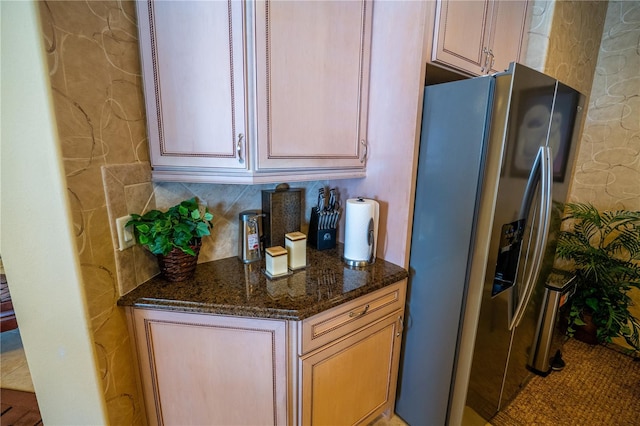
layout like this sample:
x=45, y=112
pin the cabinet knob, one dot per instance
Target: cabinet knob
x=366, y=151
x=239, y=147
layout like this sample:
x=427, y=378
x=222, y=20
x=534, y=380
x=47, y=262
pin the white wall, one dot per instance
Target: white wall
x=37, y=245
x=398, y=61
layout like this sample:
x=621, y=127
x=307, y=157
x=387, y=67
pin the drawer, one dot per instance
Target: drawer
x=337, y=322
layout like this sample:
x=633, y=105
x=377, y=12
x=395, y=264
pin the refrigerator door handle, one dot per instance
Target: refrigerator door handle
x=543, y=164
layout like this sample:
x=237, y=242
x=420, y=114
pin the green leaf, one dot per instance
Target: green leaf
x=189, y=250
x=143, y=228
x=592, y=303
x=202, y=229
x=182, y=228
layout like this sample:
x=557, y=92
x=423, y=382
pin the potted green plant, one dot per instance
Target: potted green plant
x=174, y=236
x=604, y=249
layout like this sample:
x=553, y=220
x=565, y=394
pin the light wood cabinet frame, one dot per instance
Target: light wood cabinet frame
x=214, y=369
x=479, y=37
x=256, y=91
x=312, y=73
x=188, y=363
x=193, y=62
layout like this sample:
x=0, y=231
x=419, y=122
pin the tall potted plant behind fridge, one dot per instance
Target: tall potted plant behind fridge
x=604, y=248
x=174, y=236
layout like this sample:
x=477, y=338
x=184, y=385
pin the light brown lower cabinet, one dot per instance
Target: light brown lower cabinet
x=211, y=370
x=199, y=369
x=353, y=381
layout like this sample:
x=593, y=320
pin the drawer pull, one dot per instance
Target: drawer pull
x=359, y=314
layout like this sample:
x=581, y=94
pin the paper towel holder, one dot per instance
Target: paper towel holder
x=372, y=254
x=371, y=241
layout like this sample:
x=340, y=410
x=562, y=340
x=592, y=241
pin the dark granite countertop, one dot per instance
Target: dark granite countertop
x=230, y=287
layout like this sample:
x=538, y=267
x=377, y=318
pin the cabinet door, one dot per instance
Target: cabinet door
x=461, y=34
x=312, y=72
x=212, y=370
x=193, y=68
x=509, y=23
x=479, y=37
x=353, y=380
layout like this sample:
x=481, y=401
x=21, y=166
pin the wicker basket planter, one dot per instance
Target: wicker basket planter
x=178, y=265
x=169, y=235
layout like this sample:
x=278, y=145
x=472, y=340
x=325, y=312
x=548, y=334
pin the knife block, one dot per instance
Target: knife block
x=320, y=239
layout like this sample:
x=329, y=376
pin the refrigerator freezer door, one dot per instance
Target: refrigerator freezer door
x=530, y=98
x=452, y=149
x=568, y=103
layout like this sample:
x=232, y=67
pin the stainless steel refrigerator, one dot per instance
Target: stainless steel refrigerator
x=496, y=157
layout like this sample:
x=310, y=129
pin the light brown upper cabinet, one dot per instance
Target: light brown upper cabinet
x=194, y=82
x=478, y=37
x=256, y=91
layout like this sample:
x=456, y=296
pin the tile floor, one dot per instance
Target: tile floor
x=470, y=418
x=15, y=371
x=393, y=421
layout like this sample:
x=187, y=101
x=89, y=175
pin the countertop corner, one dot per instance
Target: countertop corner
x=230, y=287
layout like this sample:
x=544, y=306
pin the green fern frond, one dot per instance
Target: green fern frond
x=604, y=248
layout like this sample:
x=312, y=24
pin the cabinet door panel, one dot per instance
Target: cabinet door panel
x=461, y=34
x=509, y=24
x=312, y=69
x=354, y=380
x=193, y=61
x=202, y=369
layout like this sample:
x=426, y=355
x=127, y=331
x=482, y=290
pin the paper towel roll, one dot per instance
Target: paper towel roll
x=361, y=231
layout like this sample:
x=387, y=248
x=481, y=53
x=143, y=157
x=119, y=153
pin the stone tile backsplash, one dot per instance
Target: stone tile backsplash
x=129, y=189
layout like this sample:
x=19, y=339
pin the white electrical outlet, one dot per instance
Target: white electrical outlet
x=125, y=233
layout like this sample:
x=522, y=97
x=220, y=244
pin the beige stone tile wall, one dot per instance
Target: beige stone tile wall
x=608, y=163
x=537, y=40
x=593, y=47
x=128, y=189
x=95, y=75
x=575, y=35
